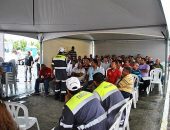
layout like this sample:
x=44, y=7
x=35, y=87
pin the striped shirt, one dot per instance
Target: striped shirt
x=73, y=54
x=126, y=84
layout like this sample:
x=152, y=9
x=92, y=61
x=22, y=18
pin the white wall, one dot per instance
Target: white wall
x=153, y=48
x=1, y=45
x=51, y=47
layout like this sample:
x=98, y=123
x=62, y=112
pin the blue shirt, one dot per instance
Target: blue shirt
x=137, y=72
x=91, y=72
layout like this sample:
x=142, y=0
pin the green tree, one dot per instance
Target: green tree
x=16, y=45
x=23, y=44
x=37, y=45
x=20, y=45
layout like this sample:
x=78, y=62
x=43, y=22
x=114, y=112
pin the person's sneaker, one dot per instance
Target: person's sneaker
x=25, y=81
x=29, y=81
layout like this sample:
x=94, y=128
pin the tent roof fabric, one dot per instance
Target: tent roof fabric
x=45, y=16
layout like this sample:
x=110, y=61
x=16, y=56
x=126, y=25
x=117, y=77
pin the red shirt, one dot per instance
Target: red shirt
x=46, y=72
x=113, y=75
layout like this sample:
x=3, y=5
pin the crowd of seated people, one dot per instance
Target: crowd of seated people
x=114, y=68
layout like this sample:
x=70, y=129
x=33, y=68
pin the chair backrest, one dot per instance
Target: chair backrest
x=117, y=120
x=14, y=109
x=126, y=109
x=136, y=80
x=9, y=78
x=156, y=74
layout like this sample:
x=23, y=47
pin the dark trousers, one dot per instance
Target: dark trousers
x=144, y=85
x=46, y=84
x=60, y=90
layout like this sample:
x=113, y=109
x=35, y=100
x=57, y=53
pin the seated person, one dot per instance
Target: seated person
x=119, y=65
x=158, y=64
x=89, y=77
x=79, y=72
x=105, y=64
x=150, y=62
x=126, y=63
x=125, y=85
x=86, y=64
x=136, y=71
x=44, y=77
x=109, y=96
x=80, y=110
x=113, y=73
x=100, y=66
x=144, y=68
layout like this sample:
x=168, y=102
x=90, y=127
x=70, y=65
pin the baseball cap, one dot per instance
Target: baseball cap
x=61, y=49
x=73, y=84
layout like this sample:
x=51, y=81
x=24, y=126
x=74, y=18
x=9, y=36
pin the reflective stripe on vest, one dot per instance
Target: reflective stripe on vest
x=79, y=100
x=59, y=57
x=65, y=125
x=105, y=89
x=60, y=67
x=119, y=104
x=94, y=122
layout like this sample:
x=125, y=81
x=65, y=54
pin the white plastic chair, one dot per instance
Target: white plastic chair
x=156, y=75
x=117, y=119
x=25, y=122
x=126, y=109
x=9, y=81
x=135, y=92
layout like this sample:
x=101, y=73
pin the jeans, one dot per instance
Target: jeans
x=46, y=84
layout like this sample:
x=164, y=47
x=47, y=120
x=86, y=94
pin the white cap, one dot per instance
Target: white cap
x=61, y=49
x=73, y=84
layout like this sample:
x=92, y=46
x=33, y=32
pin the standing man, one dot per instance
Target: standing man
x=109, y=95
x=60, y=65
x=82, y=111
x=73, y=53
x=28, y=66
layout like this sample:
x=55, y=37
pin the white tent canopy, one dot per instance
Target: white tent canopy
x=59, y=17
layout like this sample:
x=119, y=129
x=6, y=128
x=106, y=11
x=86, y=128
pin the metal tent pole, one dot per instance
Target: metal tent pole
x=41, y=48
x=166, y=64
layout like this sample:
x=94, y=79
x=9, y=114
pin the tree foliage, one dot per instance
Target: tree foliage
x=20, y=45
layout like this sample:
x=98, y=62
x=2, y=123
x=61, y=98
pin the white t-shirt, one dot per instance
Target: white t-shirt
x=76, y=70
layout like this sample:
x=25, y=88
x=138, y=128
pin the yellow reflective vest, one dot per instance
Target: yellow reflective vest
x=79, y=100
x=105, y=89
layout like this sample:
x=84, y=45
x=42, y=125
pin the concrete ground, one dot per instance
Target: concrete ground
x=147, y=115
